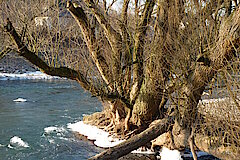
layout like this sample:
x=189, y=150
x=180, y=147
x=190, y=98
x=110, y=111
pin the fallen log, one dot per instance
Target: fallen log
x=136, y=141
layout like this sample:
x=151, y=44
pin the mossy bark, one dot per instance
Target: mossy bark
x=146, y=107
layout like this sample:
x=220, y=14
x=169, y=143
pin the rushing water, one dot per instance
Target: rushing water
x=37, y=129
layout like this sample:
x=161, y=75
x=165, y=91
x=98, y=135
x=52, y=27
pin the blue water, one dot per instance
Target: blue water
x=49, y=103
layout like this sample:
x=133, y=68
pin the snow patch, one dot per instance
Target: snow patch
x=167, y=154
x=107, y=142
x=53, y=133
x=9, y=146
x=20, y=100
x=206, y=101
x=101, y=138
x=140, y=151
x=24, y=76
x=17, y=142
x=51, y=141
x=104, y=140
x=51, y=129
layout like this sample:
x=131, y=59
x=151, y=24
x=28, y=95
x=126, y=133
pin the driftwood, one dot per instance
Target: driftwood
x=202, y=142
x=135, y=142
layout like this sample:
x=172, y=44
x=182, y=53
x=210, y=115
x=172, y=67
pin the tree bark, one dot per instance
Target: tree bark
x=146, y=106
x=139, y=48
x=126, y=49
x=227, y=47
x=82, y=20
x=114, y=39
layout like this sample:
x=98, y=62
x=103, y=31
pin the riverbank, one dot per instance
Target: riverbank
x=12, y=63
x=105, y=140
x=18, y=67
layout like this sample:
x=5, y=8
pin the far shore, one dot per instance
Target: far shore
x=12, y=63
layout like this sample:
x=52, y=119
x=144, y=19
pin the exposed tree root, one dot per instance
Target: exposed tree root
x=127, y=119
x=110, y=120
x=99, y=119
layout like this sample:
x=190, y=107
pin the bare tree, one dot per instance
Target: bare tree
x=152, y=63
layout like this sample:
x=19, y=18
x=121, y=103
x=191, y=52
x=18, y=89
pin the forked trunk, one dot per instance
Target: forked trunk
x=146, y=107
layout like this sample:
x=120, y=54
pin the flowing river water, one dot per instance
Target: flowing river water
x=36, y=127
x=36, y=112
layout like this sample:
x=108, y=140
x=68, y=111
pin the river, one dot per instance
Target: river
x=37, y=128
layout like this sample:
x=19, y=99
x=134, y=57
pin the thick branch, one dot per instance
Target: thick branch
x=124, y=17
x=127, y=55
x=61, y=71
x=135, y=142
x=224, y=51
x=88, y=34
x=112, y=35
x=34, y=59
x=226, y=48
x=138, y=48
x=161, y=22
